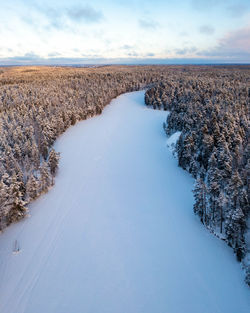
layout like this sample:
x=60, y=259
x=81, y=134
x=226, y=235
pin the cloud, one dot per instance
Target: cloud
x=133, y=54
x=148, y=24
x=61, y=18
x=54, y=54
x=235, y=44
x=127, y=47
x=237, y=10
x=239, y=39
x=86, y=14
x=234, y=8
x=185, y=51
x=27, y=57
x=206, y=29
x=54, y=17
x=129, y=50
x=183, y=34
x=101, y=61
x=202, y=5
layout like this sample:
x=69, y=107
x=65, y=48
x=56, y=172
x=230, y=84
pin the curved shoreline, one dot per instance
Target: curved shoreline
x=117, y=230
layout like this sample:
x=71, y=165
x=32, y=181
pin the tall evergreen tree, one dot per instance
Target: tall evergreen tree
x=53, y=161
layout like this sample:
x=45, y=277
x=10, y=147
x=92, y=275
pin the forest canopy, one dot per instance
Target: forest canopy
x=211, y=110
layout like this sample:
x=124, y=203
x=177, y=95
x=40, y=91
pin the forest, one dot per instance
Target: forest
x=210, y=109
x=207, y=104
x=37, y=104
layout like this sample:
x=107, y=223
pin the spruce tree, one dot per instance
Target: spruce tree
x=53, y=161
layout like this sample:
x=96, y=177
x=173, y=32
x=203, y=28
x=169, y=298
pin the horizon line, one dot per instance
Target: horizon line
x=125, y=64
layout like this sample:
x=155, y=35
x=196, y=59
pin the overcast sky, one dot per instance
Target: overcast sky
x=124, y=31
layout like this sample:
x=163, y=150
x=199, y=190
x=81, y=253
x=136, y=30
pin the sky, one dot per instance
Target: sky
x=124, y=31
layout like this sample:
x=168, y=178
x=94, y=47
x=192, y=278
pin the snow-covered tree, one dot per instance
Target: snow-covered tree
x=32, y=188
x=53, y=161
x=200, y=205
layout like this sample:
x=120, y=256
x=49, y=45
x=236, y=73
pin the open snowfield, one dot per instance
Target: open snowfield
x=117, y=233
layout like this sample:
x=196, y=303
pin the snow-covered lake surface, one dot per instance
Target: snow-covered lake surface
x=117, y=234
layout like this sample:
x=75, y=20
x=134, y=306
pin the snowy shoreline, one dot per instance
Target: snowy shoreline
x=117, y=230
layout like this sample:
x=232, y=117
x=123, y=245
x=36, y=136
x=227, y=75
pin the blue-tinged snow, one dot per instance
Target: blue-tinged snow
x=172, y=140
x=117, y=233
x=246, y=261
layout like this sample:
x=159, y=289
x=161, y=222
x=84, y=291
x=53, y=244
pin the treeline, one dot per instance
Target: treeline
x=37, y=104
x=210, y=109
x=209, y=105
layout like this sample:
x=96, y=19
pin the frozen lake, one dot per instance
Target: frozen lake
x=117, y=233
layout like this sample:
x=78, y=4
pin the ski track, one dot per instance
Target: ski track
x=117, y=234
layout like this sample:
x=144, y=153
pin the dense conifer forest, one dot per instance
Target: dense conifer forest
x=39, y=104
x=210, y=109
x=208, y=105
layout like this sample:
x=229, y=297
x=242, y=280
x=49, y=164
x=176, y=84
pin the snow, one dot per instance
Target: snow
x=172, y=140
x=117, y=232
x=246, y=260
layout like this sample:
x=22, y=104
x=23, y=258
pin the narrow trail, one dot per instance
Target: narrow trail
x=117, y=234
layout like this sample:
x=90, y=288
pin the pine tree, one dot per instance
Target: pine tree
x=200, y=206
x=234, y=229
x=53, y=161
x=32, y=188
x=222, y=204
x=45, y=178
x=18, y=209
x=4, y=203
x=214, y=178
